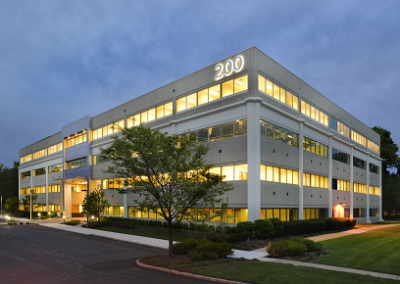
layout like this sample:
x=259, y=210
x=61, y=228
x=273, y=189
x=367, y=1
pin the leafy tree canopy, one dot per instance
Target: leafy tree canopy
x=388, y=150
x=95, y=203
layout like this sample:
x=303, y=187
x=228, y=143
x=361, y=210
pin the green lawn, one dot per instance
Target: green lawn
x=377, y=250
x=161, y=234
x=267, y=272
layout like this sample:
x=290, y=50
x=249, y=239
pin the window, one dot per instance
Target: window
x=340, y=127
x=279, y=133
x=113, y=183
x=39, y=154
x=25, y=190
x=359, y=212
x=25, y=174
x=359, y=163
x=374, y=212
x=359, y=188
x=314, y=113
x=315, y=147
x=358, y=138
x=373, y=168
x=39, y=189
x=54, y=188
x=55, y=168
x=213, y=93
x=340, y=184
x=372, y=146
x=315, y=180
x=26, y=158
x=340, y=156
x=284, y=214
x=374, y=190
x=98, y=160
x=108, y=129
x=75, y=139
x=54, y=208
x=278, y=93
x=38, y=172
x=77, y=163
x=276, y=174
x=231, y=172
x=55, y=148
x=152, y=114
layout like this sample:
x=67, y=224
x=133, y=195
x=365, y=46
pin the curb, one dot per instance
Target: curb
x=186, y=274
x=128, y=242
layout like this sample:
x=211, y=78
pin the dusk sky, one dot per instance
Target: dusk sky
x=62, y=60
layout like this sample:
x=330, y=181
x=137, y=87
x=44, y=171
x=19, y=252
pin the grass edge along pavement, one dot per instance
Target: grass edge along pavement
x=376, y=250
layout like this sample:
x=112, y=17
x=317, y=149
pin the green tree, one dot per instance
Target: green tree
x=26, y=201
x=12, y=204
x=168, y=172
x=388, y=150
x=8, y=181
x=95, y=203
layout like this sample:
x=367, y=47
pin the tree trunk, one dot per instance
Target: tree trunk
x=170, y=239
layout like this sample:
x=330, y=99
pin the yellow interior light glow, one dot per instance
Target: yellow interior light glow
x=269, y=86
x=237, y=82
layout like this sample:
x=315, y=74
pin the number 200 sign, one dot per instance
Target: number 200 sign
x=230, y=66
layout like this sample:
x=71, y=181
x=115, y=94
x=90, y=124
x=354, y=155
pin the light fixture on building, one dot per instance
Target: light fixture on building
x=343, y=204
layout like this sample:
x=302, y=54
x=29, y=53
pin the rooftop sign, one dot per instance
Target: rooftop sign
x=230, y=66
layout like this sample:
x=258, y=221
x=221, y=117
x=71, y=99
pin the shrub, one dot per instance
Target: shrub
x=178, y=225
x=216, y=237
x=73, y=222
x=263, y=229
x=245, y=227
x=165, y=224
x=232, y=230
x=237, y=237
x=310, y=244
x=277, y=249
x=218, y=229
x=185, y=226
x=204, y=227
x=210, y=255
x=195, y=256
x=278, y=226
x=192, y=226
x=184, y=247
x=198, y=227
x=211, y=228
x=221, y=249
x=296, y=248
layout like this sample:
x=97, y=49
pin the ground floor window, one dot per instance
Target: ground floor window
x=54, y=208
x=374, y=212
x=359, y=213
x=283, y=214
x=115, y=211
x=76, y=209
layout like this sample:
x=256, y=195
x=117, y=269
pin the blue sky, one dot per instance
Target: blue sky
x=62, y=60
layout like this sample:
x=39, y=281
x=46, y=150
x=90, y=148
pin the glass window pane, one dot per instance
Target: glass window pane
x=269, y=88
x=191, y=101
x=214, y=92
x=94, y=134
x=276, y=213
x=202, y=97
x=227, y=171
x=270, y=130
x=261, y=83
x=151, y=114
x=295, y=177
x=263, y=172
x=313, y=180
x=110, y=129
x=143, y=117
x=270, y=214
x=160, y=111
x=240, y=172
x=240, y=127
x=276, y=174
x=168, y=108
x=289, y=99
x=270, y=173
x=181, y=104
x=227, y=130
x=303, y=107
x=282, y=96
x=215, y=170
x=214, y=133
x=241, y=84
x=308, y=109
x=202, y=135
x=312, y=112
x=289, y=176
x=283, y=176
x=227, y=88
x=276, y=92
x=295, y=103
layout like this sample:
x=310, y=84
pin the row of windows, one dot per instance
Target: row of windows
x=55, y=168
x=279, y=133
x=340, y=127
x=38, y=172
x=78, y=139
x=340, y=156
x=359, y=188
x=39, y=189
x=223, y=131
x=358, y=138
x=113, y=183
x=283, y=214
x=314, y=113
x=359, y=163
x=25, y=190
x=77, y=163
x=97, y=159
x=374, y=190
x=361, y=212
x=54, y=208
x=54, y=188
x=339, y=184
x=108, y=129
x=315, y=147
x=278, y=93
x=117, y=211
x=150, y=115
x=373, y=168
x=315, y=180
x=213, y=93
x=276, y=174
x=41, y=153
x=25, y=174
x=374, y=147
x=232, y=172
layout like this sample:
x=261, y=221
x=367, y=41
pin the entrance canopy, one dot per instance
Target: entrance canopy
x=76, y=180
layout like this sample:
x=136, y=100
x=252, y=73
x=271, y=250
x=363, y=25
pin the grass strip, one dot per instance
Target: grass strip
x=377, y=250
x=267, y=272
x=156, y=234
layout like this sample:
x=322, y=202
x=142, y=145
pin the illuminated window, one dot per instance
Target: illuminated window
x=77, y=163
x=75, y=139
x=113, y=183
x=39, y=189
x=54, y=188
x=372, y=146
x=284, y=214
x=314, y=113
x=278, y=93
x=279, y=133
x=25, y=174
x=276, y=174
x=340, y=127
x=374, y=190
x=358, y=138
x=110, y=129
x=342, y=185
x=54, y=148
x=227, y=172
x=39, y=154
x=55, y=168
x=97, y=159
x=26, y=158
x=240, y=172
x=40, y=171
x=213, y=93
x=25, y=190
x=315, y=180
x=315, y=147
x=359, y=188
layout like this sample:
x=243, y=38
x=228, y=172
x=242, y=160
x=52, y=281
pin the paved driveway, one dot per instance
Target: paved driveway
x=37, y=254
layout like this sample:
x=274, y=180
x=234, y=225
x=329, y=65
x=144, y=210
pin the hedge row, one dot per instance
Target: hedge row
x=300, y=227
x=202, y=249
